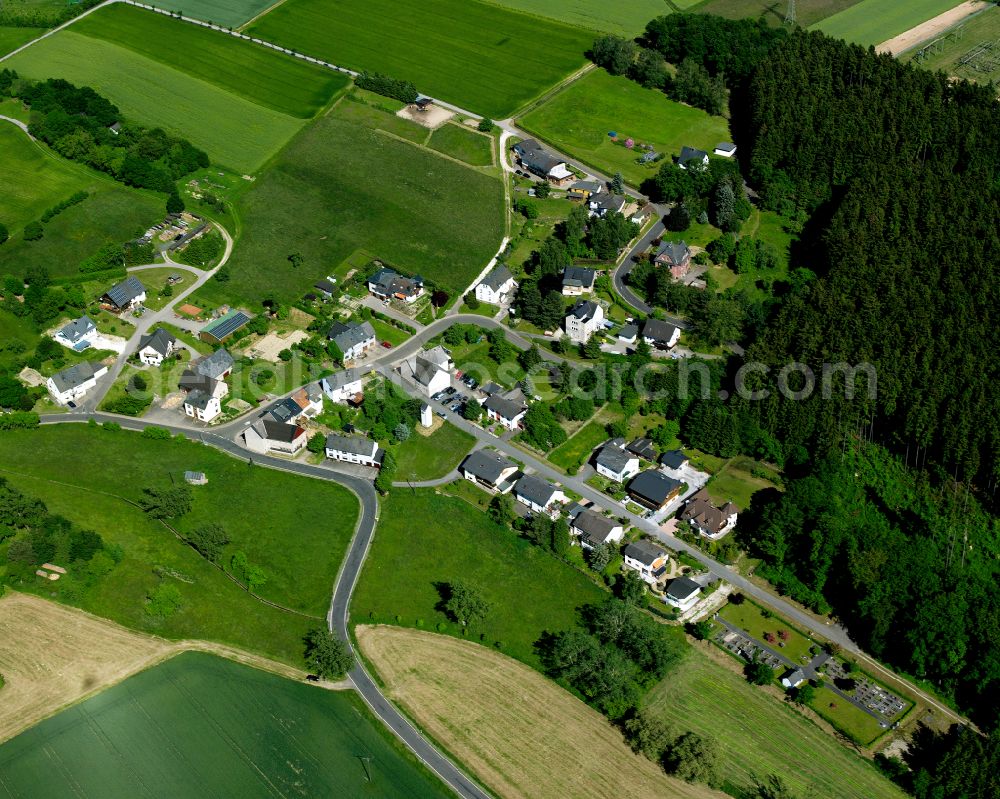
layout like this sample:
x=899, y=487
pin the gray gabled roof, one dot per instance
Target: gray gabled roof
x=350, y=335
x=595, y=526
x=325, y=286
x=682, y=588
x=356, y=445
x=628, y=332
x=644, y=551
x=534, y=157
x=658, y=330
x=503, y=406
x=498, y=275
x=121, y=294
x=691, y=154
x=673, y=252
x=643, y=447
x=273, y=430
x=578, y=276
x=342, y=378
x=584, y=310
x=214, y=365
x=538, y=492
x=78, y=328
x=192, y=381
x=284, y=410
x=614, y=458
x=486, y=465
x=608, y=202
x=76, y=375
x=198, y=399
x=593, y=186
x=391, y=282
x=654, y=487
x=159, y=340
x=674, y=459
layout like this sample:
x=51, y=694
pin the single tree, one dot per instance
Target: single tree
x=209, y=540
x=486, y=125
x=618, y=184
x=648, y=734
x=175, y=204
x=473, y=410
x=542, y=190
x=631, y=588
x=466, y=604
x=166, y=503
x=692, y=758
x=599, y=557
x=401, y=432
x=700, y=630
x=501, y=509
x=327, y=655
x=591, y=348
x=317, y=443
x=383, y=481
x=295, y=259
x=758, y=673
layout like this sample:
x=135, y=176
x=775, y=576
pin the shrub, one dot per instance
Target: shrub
x=33, y=231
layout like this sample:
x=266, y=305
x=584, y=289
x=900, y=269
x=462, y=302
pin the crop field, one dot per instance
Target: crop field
x=258, y=74
x=481, y=57
x=578, y=447
x=234, y=131
x=231, y=13
x=198, y=725
x=523, y=736
x=578, y=119
x=969, y=37
x=806, y=11
x=464, y=144
x=426, y=539
x=423, y=457
x=626, y=17
x=403, y=203
x=308, y=526
x=12, y=38
x=876, y=21
x=758, y=735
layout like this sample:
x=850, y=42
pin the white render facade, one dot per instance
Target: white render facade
x=583, y=321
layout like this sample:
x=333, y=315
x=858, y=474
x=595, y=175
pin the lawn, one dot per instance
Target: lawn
x=234, y=131
x=578, y=119
x=258, y=74
x=428, y=457
x=758, y=735
x=737, y=484
x=981, y=28
x=231, y=13
x=578, y=448
x=460, y=142
x=876, y=21
x=481, y=57
x=155, y=281
x=12, y=38
x=848, y=718
x=386, y=332
x=307, y=528
x=199, y=725
x=426, y=540
x=750, y=617
x=474, y=359
x=806, y=11
x=13, y=329
x=403, y=204
x=629, y=17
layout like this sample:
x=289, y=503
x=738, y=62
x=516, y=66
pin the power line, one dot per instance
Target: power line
x=790, y=19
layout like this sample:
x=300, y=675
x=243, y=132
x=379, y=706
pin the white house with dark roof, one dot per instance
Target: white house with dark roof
x=647, y=559
x=707, y=518
x=270, y=435
x=540, y=496
x=387, y=284
x=202, y=405
x=430, y=370
x=584, y=319
x=342, y=386
x=70, y=384
x=78, y=334
x=682, y=593
x=218, y=366
x=353, y=339
x=155, y=347
x=660, y=334
x=536, y=160
x=507, y=412
x=126, y=295
x=577, y=280
x=594, y=529
x=488, y=469
x=692, y=158
x=725, y=149
x=354, y=449
x=605, y=203
x=497, y=287
x=615, y=462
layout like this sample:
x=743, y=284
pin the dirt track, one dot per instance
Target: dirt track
x=521, y=734
x=932, y=28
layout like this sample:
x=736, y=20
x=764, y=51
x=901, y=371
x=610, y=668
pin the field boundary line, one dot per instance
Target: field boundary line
x=549, y=93
x=934, y=27
x=428, y=149
x=259, y=14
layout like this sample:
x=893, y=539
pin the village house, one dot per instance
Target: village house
x=309, y=398
x=70, y=384
x=725, y=149
x=594, y=529
x=538, y=495
x=532, y=157
x=354, y=449
x=653, y=490
x=660, y=334
x=711, y=521
x=219, y=330
x=202, y=405
x=353, y=339
x=507, y=412
x=389, y=285
x=489, y=470
x=218, y=366
x=496, y=288
x=642, y=448
x=674, y=459
x=605, y=203
x=269, y=435
x=430, y=370
x=325, y=287
x=342, y=386
x=691, y=158
x=78, y=334
x=675, y=256
x=584, y=189
x=577, y=280
x=647, y=559
x=682, y=593
x=629, y=334
x=584, y=319
x=615, y=462
x=124, y=296
x=156, y=347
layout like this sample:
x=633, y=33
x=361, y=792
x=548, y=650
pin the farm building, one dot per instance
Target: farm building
x=533, y=158
x=725, y=149
x=218, y=330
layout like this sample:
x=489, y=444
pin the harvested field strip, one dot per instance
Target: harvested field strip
x=523, y=736
x=876, y=21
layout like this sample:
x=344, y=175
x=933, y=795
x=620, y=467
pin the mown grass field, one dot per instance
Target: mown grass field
x=848, y=718
x=423, y=457
x=232, y=13
x=876, y=21
x=426, y=539
x=758, y=735
x=806, y=11
x=523, y=736
x=198, y=725
x=234, y=131
x=464, y=144
x=627, y=17
x=578, y=119
x=749, y=616
x=299, y=545
x=983, y=27
x=402, y=203
x=484, y=58
x=12, y=38
x=578, y=448
x=258, y=74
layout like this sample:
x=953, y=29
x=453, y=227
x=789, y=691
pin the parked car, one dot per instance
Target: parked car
x=456, y=407
x=387, y=345
x=451, y=391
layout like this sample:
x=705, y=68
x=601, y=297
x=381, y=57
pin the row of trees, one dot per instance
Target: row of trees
x=401, y=90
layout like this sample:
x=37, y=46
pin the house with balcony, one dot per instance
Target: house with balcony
x=648, y=560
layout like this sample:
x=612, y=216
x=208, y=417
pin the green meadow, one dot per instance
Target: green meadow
x=481, y=57
x=876, y=21
x=806, y=11
x=626, y=17
x=12, y=38
x=198, y=725
x=464, y=144
x=232, y=13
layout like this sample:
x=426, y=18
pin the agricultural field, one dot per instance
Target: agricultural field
x=466, y=145
x=876, y=21
x=217, y=719
x=577, y=449
x=426, y=540
x=578, y=119
x=235, y=132
x=428, y=457
x=758, y=735
x=524, y=736
x=12, y=38
x=807, y=12
x=230, y=13
x=481, y=57
x=626, y=18
x=964, y=42
x=403, y=203
x=309, y=525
